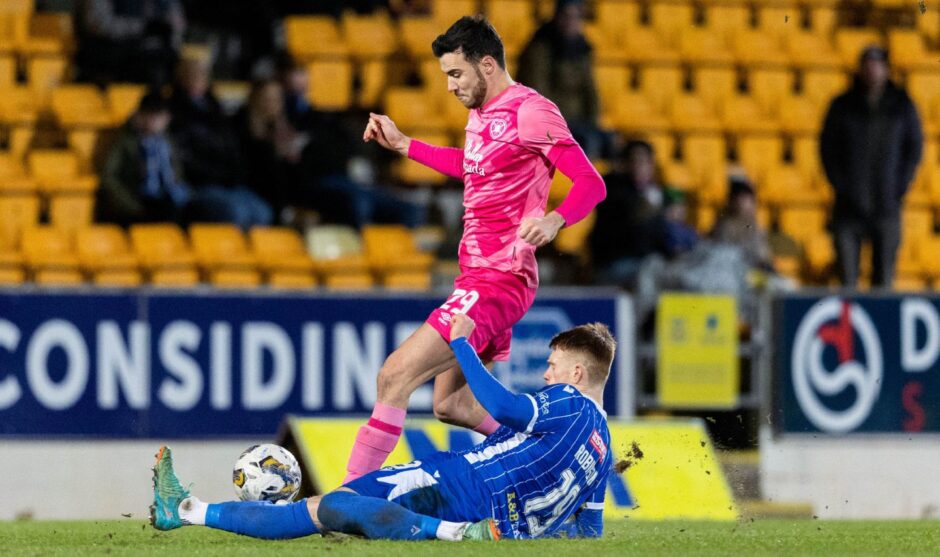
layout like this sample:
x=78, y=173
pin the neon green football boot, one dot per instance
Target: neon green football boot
x=485, y=530
x=167, y=493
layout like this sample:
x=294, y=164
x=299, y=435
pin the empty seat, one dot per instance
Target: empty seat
x=768, y=86
x=50, y=255
x=416, y=35
x=758, y=154
x=661, y=84
x=757, y=48
x=689, y=113
x=821, y=86
x=71, y=211
x=165, y=254
x=7, y=71
x=337, y=251
x=44, y=75
x=19, y=106
x=850, y=42
x=17, y=213
x=413, y=109
x=810, y=50
x=391, y=249
x=725, y=20
x=698, y=45
x=13, y=176
x=123, y=99
x=514, y=20
x=671, y=20
x=281, y=255
x=57, y=170
x=742, y=114
x=908, y=50
x=803, y=223
x=714, y=85
x=223, y=254
x=80, y=106
x=105, y=254
x=369, y=36
x=636, y=112
x=310, y=37
x=330, y=84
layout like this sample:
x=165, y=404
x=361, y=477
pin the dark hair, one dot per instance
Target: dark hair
x=153, y=103
x=473, y=36
x=592, y=340
x=738, y=186
x=636, y=144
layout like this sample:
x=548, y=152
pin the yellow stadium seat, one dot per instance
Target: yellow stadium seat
x=573, y=239
x=392, y=248
x=309, y=37
x=223, y=255
x=644, y=45
x=706, y=157
x=123, y=99
x=785, y=185
x=369, y=36
x=56, y=170
x=811, y=51
x=800, y=115
x=71, y=211
x=349, y=281
x=635, y=112
x=908, y=51
x=928, y=250
x=700, y=46
x=50, y=33
x=13, y=177
x=165, y=254
x=19, y=106
x=821, y=86
x=677, y=175
x=80, y=106
x=416, y=35
x=822, y=20
x=661, y=84
x=330, y=84
x=412, y=172
x=104, y=253
x=757, y=48
x=778, y=20
x=44, y=75
x=768, y=86
x=407, y=280
x=14, y=22
x=413, y=109
x=758, y=154
x=515, y=21
x=671, y=20
x=806, y=156
x=50, y=254
x=924, y=88
x=17, y=213
x=232, y=95
x=742, y=114
x=446, y=12
x=726, y=19
x=7, y=71
x=337, y=251
x=803, y=223
x=616, y=17
x=689, y=113
x=928, y=25
x=820, y=255
x=713, y=85
x=850, y=42
x=705, y=217
x=612, y=82
x=281, y=254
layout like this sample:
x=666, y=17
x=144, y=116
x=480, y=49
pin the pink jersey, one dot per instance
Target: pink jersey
x=507, y=174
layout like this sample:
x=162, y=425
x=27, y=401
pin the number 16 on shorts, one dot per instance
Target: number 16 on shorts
x=459, y=302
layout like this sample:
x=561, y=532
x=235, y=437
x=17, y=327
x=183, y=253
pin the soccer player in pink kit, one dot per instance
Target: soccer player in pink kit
x=515, y=140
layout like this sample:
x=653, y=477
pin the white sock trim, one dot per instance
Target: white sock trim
x=193, y=511
x=451, y=531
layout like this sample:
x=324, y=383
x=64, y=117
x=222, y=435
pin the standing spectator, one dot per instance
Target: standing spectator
x=557, y=63
x=209, y=150
x=870, y=146
x=128, y=40
x=141, y=180
x=630, y=224
x=738, y=226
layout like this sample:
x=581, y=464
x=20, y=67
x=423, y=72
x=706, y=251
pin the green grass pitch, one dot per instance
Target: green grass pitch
x=626, y=538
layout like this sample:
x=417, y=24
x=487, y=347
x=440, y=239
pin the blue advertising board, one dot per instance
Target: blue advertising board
x=866, y=364
x=151, y=364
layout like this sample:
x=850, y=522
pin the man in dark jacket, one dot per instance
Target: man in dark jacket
x=870, y=146
x=630, y=223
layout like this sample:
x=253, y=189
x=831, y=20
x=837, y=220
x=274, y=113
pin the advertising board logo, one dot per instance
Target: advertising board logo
x=529, y=355
x=829, y=368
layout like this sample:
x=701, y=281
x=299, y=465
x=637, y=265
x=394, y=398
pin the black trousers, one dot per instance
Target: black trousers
x=884, y=232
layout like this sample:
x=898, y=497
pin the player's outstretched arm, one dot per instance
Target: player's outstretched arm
x=382, y=130
x=509, y=409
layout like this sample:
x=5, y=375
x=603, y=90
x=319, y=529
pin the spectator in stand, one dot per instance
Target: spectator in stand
x=209, y=150
x=557, y=63
x=630, y=224
x=870, y=146
x=738, y=225
x=141, y=180
x=121, y=40
x=679, y=236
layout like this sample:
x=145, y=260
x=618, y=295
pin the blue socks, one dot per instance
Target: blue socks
x=262, y=520
x=350, y=513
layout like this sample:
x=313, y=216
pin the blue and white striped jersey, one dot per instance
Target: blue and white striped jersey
x=558, y=465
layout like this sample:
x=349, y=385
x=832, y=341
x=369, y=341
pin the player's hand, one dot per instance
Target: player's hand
x=383, y=130
x=461, y=326
x=542, y=230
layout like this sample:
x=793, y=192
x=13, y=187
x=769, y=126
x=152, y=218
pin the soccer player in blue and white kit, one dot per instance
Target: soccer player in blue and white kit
x=542, y=473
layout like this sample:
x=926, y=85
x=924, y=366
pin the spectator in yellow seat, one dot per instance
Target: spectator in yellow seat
x=870, y=146
x=557, y=63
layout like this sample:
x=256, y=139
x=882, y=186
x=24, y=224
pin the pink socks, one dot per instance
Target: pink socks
x=375, y=441
x=487, y=426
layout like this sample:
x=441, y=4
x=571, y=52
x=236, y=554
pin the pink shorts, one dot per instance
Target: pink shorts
x=495, y=300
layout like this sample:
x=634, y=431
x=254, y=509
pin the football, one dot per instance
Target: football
x=266, y=473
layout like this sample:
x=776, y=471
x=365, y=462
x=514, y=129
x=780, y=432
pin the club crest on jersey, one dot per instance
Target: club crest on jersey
x=498, y=127
x=598, y=443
